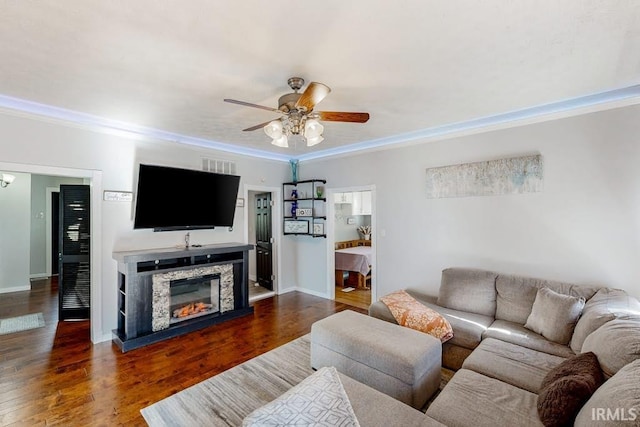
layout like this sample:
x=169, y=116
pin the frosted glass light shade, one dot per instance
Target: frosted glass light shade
x=313, y=129
x=281, y=142
x=274, y=129
x=315, y=140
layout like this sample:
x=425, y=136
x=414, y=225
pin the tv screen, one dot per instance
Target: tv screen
x=182, y=199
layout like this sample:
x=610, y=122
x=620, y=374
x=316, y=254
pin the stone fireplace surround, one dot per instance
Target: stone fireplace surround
x=161, y=310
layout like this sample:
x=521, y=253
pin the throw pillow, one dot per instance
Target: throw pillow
x=411, y=313
x=554, y=315
x=319, y=399
x=566, y=388
x=616, y=343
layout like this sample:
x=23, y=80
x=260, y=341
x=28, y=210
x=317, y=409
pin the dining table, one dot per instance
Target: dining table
x=356, y=261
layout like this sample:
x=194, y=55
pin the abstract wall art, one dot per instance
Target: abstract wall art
x=491, y=178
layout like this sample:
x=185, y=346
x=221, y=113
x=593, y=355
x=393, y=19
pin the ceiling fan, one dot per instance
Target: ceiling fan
x=298, y=117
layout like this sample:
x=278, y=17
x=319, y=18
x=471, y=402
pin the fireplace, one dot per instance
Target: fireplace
x=209, y=289
x=194, y=297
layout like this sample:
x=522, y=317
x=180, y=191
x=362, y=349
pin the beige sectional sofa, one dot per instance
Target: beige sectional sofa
x=501, y=363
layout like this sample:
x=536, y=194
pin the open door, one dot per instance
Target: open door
x=74, y=244
x=264, y=241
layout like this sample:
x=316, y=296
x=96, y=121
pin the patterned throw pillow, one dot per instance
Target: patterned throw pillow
x=411, y=313
x=319, y=400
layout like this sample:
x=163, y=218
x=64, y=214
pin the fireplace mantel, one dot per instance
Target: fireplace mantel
x=136, y=270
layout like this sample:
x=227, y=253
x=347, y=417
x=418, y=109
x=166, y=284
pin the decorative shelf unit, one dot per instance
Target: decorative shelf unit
x=140, y=271
x=309, y=197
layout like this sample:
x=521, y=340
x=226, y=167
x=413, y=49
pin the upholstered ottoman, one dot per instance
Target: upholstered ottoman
x=400, y=362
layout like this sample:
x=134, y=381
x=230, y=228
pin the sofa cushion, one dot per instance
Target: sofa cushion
x=472, y=399
x=518, y=334
x=467, y=327
x=516, y=294
x=616, y=402
x=373, y=408
x=554, y=315
x=605, y=305
x=616, y=343
x=468, y=290
x=566, y=388
x=512, y=363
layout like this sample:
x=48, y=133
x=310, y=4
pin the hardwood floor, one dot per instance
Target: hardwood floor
x=55, y=376
x=360, y=298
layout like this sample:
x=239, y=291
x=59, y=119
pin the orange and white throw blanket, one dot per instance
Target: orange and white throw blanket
x=410, y=313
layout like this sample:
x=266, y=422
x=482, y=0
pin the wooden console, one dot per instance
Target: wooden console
x=136, y=270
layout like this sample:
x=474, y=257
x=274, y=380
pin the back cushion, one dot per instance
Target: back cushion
x=605, y=305
x=469, y=290
x=516, y=294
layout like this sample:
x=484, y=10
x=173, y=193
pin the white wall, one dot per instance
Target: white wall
x=27, y=141
x=15, y=205
x=38, y=249
x=584, y=227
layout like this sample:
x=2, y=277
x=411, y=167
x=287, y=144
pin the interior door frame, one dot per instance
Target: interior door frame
x=331, y=239
x=94, y=180
x=49, y=228
x=276, y=226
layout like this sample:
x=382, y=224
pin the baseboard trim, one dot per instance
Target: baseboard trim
x=38, y=276
x=305, y=291
x=15, y=289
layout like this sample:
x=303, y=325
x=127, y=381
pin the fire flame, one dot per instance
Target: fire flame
x=189, y=309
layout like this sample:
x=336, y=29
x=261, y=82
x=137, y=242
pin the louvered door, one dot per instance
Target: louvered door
x=75, y=241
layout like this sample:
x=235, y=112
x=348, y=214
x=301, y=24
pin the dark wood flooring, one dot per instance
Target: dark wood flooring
x=55, y=376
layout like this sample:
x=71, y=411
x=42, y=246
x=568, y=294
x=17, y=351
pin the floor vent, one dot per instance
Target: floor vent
x=226, y=167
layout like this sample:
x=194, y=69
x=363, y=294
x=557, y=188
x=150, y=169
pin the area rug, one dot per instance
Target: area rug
x=226, y=399
x=21, y=323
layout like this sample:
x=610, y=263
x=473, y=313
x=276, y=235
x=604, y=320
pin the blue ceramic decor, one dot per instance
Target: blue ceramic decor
x=294, y=170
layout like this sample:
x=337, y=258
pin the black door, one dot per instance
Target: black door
x=264, y=257
x=74, y=243
x=55, y=232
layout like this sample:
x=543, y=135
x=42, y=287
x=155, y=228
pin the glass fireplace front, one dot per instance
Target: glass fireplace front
x=194, y=297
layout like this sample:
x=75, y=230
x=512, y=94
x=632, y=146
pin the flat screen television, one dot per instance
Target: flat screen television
x=182, y=199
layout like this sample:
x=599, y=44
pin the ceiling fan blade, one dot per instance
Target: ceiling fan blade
x=342, y=116
x=248, y=104
x=256, y=127
x=314, y=93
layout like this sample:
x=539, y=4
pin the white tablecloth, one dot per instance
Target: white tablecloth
x=354, y=259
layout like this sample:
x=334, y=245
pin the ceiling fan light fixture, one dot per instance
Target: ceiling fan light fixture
x=313, y=128
x=281, y=141
x=315, y=140
x=274, y=129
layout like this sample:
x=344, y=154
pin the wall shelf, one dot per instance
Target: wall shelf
x=305, y=194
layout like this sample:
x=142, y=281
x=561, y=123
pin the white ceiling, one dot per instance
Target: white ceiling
x=413, y=65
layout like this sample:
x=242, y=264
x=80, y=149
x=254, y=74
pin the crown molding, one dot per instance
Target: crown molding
x=567, y=108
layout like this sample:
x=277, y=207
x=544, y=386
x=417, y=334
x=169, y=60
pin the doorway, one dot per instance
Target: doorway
x=263, y=213
x=94, y=179
x=351, y=245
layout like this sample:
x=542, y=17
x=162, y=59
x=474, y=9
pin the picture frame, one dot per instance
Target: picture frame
x=296, y=226
x=318, y=228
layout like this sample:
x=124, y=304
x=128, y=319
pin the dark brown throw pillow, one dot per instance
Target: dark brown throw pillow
x=567, y=387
